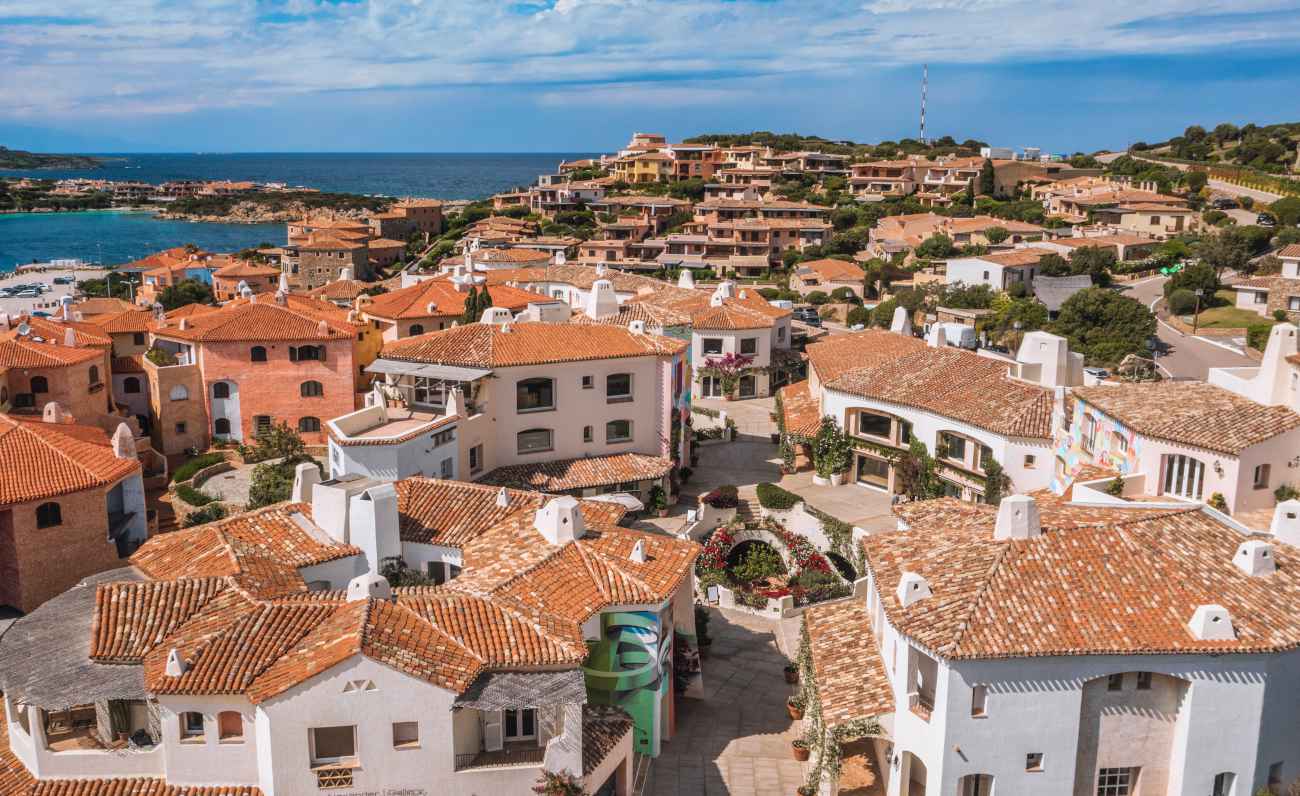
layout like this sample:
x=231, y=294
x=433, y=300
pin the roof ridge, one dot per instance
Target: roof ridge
x=975, y=603
x=613, y=563
x=586, y=564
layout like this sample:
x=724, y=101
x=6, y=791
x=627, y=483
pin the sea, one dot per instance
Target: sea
x=114, y=237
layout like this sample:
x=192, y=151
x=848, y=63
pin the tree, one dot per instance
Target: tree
x=936, y=247
x=186, y=291
x=817, y=298
x=996, y=235
x=1192, y=278
x=1286, y=211
x=988, y=181
x=1194, y=181
x=271, y=483
x=1053, y=265
x=484, y=302
x=859, y=315
x=1013, y=317
x=1095, y=261
x=967, y=297
x=915, y=472
x=845, y=295
x=968, y=198
x=832, y=453
x=1104, y=326
x=470, y=313
x=1182, y=301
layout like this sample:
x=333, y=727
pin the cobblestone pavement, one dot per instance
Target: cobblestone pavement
x=737, y=739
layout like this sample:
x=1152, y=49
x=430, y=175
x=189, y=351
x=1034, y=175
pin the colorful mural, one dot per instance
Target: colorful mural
x=1114, y=447
x=629, y=668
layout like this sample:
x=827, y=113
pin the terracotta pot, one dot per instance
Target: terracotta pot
x=795, y=712
x=791, y=675
x=804, y=790
x=663, y=512
x=800, y=752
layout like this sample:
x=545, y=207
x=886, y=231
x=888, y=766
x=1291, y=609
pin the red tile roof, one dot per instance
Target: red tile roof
x=84, y=333
x=242, y=268
x=842, y=353
x=833, y=270
x=264, y=320
x=563, y=475
x=1291, y=250
x=489, y=346
x=127, y=321
x=802, y=412
x=850, y=675
x=42, y=460
x=414, y=301
x=22, y=352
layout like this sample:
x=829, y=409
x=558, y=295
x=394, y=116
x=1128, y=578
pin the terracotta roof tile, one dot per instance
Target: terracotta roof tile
x=842, y=353
x=1291, y=250
x=1191, y=413
x=562, y=475
x=263, y=320
x=22, y=352
x=833, y=270
x=603, y=727
x=488, y=346
x=123, y=322
x=42, y=460
x=802, y=412
x=414, y=301
x=84, y=333
x=242, y=268
x=850, y=675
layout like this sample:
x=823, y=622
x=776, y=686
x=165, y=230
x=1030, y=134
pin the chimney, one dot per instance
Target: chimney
x=1017, y=518
x=1286, y=522
x=1255, y=558
x=560, y=259
x=371, y=585
x=345, y=273
x=323, y=329
x=637, y=556
x=242, y=286
x=1212, y=623
x=503, y=499
x=372, y=525
x=938, y=338
x=281, y=297
x=902, y=322
x=636, y=327
x=686, y=279
x=184, y=324
x=305, y=476
x=1057, y=367
x=65, y=306
x=431, y=308
x=70, y=338
x=455, y=402
x=1271, y=386
x=55, y=413
x=284, y=282
x=176, y=665
x=911, y=587
x=601, y=270
x=4, y=321
x=123, y=442
x=560, y=520
x=602, y=301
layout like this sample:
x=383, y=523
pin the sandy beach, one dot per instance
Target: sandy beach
x=48, y=302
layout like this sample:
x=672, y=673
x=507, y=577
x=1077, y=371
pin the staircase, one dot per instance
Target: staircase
x=748, y=509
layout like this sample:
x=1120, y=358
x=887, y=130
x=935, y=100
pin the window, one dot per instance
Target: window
x=49, y=515
x=179, y=393
x=712, y=345
x=1116, y=781
x=1144, y=681
x=1034, y=761
x=1261, y=476
x=520, y=724
x=446, y=469
x=1293, y=303
x=138, y=338
x=979, y=696
x=476, y=458
x=535, y=395
x=221, y=390
x=311, y=389
x=1223, y=784
x=954, y=447
x=1115, y=682
x=406, y=735
x=441, y=438
x=40, y=385
x=191, y=726
x=874, y=425
x=94, y=375
x=180, y=428
x=230, y=727
x=1261, y=297
x=780, y=334
x=905, y=433
x=221, y=426
x=332, y=744
x=131, y=385
x=588, y=434
x=618, y=431
x=1089, y=432
x=535, y=440
x=1030, y=461
x=1184, y=476
x=305, y=353
x=416, y=329
x=309, y=424
x=257, y=354
x=749, y=345
x=261, y=424
x=618, y=387
x=588, y=382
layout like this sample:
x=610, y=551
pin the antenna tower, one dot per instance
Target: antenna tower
x=925, y=85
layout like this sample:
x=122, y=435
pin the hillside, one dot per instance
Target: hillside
x=795, y=142
x=20, y=159
x=1273, y=148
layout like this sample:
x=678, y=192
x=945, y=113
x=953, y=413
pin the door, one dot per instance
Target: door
x=1184, y=476
x=492, y=731
x=711, y=387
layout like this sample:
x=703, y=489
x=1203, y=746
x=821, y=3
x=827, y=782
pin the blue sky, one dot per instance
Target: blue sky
x=581, y=75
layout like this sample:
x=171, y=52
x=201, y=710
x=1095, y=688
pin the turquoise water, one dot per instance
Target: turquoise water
x=112, y=236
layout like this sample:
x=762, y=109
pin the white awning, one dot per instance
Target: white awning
x=627, y=501
x=444, y=372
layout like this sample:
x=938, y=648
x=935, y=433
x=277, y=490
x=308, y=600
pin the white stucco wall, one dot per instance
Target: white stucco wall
x=208, y=761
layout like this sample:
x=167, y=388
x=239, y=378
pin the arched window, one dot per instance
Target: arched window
x=535, y=440
x=535, y=395
x=221, y=426
x=94, y=375
x=417, y=328
x=48, y=515
x=191, y=725
x=311, y=389
x=221, y=390
x=40, y=385
x=308, y=424
x=131, y=385
x=257, y=353
x=179, y=393
x=618, y=431
x=304, y=353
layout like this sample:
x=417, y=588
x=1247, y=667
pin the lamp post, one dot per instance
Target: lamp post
x=1196, y=318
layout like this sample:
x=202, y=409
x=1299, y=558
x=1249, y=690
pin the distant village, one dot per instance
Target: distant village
x=488, y=495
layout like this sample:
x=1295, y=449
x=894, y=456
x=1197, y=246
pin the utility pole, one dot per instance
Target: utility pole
x=925, y=85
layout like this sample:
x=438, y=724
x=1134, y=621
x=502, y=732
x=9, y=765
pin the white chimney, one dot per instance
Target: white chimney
x=560, y=520
x=305, y=476
x=1057, y=367
x=636, y=327
x=323, y=329
x=65, y=304
x=602, y=301
x=1286, y=522
x=123, y=442
x=55, y=413
x=902, y=322
x=503, y=499
x=371, y=585
x=329, y=509
x=284, y=282
x=455, y=402
x=431, y=308
x=1212, y=623
x=345, y=272
x=637, y=556
x=495, y=316
x=1017, y=518
x=1255, y=557
x=1271, y=385
x=372, y=525
x=70, y=338
x=242, y=286
x=4, y=321
x=281, y=297
x=184, y=324
x=176, y=665
x=938, y=337
x=726, y=288
x=601, y=269
x=912, y=587
x=686, y=279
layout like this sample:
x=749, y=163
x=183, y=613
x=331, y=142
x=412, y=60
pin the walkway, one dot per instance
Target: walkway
x=736, y=740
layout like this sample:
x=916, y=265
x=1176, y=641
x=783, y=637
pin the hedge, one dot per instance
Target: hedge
x=771, y=496
x=187, y=470
x=193, y=496
x=1257, y=335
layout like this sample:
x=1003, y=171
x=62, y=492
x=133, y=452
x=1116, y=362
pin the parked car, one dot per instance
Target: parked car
x=62, y=280
x=1225, y=204
x=1265, y=220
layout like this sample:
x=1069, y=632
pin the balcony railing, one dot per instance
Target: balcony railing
x=920, y=704
x=525, y=754
x=333, y=777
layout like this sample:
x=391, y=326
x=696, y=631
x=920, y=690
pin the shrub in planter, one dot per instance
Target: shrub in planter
x=751, y=599
x=773, y=497
x=759, y=563
x=831, y=449
x=791, y=673
x=724, y=497
x=800, y=749
x=187, y=470
x=193, y=496
x=209, y=513
x=658, y=500
x=1218, y=502
x=795, y=706
x=1286, y=492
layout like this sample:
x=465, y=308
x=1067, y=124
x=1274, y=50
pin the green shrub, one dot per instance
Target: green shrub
x=724, y=497
x=759, y=562
x=845, y=295
x=817, y=298
x=1182, y=302
x=1279, y=316
x=859, y=315
x=187, y=470
x=193, y=496
x=771, y=496
x=1257, y=335
x=1116, y=487
x=1286, y=492
x=209, y=513
x=1219, y=502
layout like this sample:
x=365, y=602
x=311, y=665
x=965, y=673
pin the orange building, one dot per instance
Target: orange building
x=229, y=280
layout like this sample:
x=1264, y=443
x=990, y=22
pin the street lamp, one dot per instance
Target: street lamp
x=1196, y=318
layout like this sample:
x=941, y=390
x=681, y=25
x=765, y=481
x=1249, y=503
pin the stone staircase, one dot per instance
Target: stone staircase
x=748, y=509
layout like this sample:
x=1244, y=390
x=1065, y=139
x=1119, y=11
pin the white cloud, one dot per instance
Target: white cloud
x=164, y=57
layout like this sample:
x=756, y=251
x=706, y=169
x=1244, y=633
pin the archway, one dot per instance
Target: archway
x=975, y=785
x=842, y=566
x=913, y=775
x=755, y=560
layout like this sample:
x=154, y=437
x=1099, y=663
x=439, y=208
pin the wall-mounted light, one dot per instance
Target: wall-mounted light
x=1218, y=467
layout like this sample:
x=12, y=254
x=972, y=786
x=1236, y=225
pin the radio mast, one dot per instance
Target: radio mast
x=925, y=84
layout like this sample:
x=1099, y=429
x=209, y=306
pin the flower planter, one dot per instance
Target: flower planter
x=794, y=710
x=662, y=512
x=791, y=675
x=837, y=479
x=800, y=751
x=804, y=790
x=819, y=481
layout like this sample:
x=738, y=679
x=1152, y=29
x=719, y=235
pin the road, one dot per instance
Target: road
x=1184, y=356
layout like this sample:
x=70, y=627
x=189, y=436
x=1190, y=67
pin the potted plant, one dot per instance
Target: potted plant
x=806, y=790
x=795, y=706
x=800, y=749
x=831, y=453
x=791, y=673
x=659, y=500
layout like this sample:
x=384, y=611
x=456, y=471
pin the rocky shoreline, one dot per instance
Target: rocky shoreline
x=258, y=213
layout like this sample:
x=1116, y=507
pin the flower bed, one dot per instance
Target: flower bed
x=811, y=580
x=724, y=497
x=771, y=496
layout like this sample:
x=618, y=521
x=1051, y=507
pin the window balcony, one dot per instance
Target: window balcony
x=921, y=705
x=512, y=755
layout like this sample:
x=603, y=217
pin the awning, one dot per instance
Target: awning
x=623, y=499
x=515, y=690
x=444, y=372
